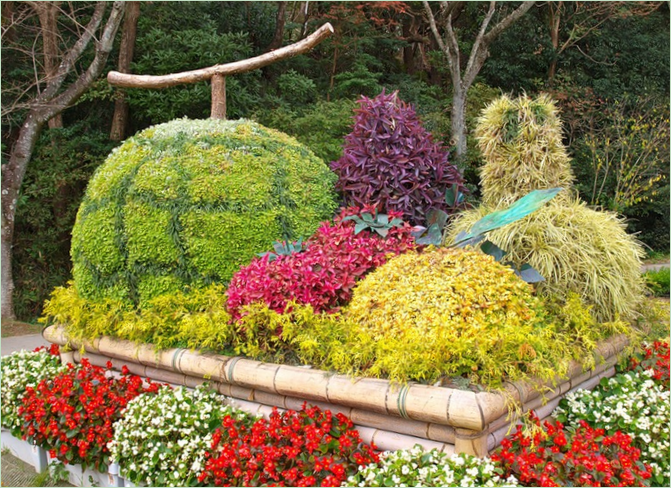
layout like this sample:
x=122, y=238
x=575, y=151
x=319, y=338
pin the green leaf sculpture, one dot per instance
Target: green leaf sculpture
x=526, y=205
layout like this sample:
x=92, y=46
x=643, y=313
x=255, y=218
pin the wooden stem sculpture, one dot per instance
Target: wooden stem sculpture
x=217, y=73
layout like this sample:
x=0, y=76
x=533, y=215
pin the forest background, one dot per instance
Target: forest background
x=606, y=64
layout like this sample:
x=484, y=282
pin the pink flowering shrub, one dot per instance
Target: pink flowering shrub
x=324, y=274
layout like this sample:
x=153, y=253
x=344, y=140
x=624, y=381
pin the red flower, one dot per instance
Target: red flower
x=71, y=414
x=276, y=451
x=585, y=457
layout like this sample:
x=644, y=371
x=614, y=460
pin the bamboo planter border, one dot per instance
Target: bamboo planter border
x=447, y=418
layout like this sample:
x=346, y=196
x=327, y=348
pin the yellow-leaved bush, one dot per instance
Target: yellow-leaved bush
x=194, y=318
x=419, y=317
x=452, y=312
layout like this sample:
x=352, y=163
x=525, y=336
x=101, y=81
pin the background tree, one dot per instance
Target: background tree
x=380, y=45
x=463, y=77
x=55, y=94
x=126, y=50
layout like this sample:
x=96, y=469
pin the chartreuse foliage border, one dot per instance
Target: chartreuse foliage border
x=188, y=202
x=468, y=317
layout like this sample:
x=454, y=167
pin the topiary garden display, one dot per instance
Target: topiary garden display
x=444, y=343
x=188, y=202
x=577, y=249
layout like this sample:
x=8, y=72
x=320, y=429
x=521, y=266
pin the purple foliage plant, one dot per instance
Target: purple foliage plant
x=391, y=162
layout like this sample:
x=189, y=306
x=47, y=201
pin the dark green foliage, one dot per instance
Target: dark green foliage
x=322, y=127
x=188, y=203
x=162, y=52
x=63, y=161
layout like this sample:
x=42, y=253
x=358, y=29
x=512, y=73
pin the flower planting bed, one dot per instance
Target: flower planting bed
x=392, y=416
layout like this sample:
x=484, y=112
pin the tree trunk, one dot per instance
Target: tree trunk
x=458, y=121
x=279, y=26
x=126, y=50
x=50, y=102
x=12, y=177
x=555, y=19
x=48, y=14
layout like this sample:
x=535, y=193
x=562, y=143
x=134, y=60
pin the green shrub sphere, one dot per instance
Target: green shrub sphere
x=188, y=202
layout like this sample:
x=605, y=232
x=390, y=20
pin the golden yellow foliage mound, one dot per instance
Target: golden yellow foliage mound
x=450, y=312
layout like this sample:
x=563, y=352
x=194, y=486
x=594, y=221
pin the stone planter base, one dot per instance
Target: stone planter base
x=91, y=477
x=390, y=415
x=28, y=453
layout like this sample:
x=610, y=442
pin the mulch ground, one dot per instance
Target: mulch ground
x=13, y=328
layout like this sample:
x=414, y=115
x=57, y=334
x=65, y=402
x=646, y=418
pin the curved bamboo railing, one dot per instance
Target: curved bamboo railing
x=463, y=420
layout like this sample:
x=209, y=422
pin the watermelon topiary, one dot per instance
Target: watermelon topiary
x=390, y=162
x=190, y=201
x=577, y=249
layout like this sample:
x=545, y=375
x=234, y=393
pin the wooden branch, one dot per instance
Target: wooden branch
x=434, y=29
x=74, y=53
x=478, y=44
x=505, y=23
x=102, y=49
x=147, y=81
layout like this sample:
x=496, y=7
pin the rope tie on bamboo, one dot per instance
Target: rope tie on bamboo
x=231, y=369
x=400, y=401
x=469, y=437
x=176, y=357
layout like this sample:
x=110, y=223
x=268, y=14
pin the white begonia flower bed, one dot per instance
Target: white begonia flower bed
x=18, y=371
x=417, y=467
x=162, y=439
x=633, y=404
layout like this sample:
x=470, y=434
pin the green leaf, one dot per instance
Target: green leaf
x=521, y=208
x=382, y=231
x=433, y=237
x=435, y=216
x=488, y=247
x=529, y=274
x=383, y=219
x=359, y=227
x=452, y=195
x=367, y=217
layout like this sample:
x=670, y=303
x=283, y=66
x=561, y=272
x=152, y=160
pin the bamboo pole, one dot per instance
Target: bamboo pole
x=128, y=80
x=433, y=432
